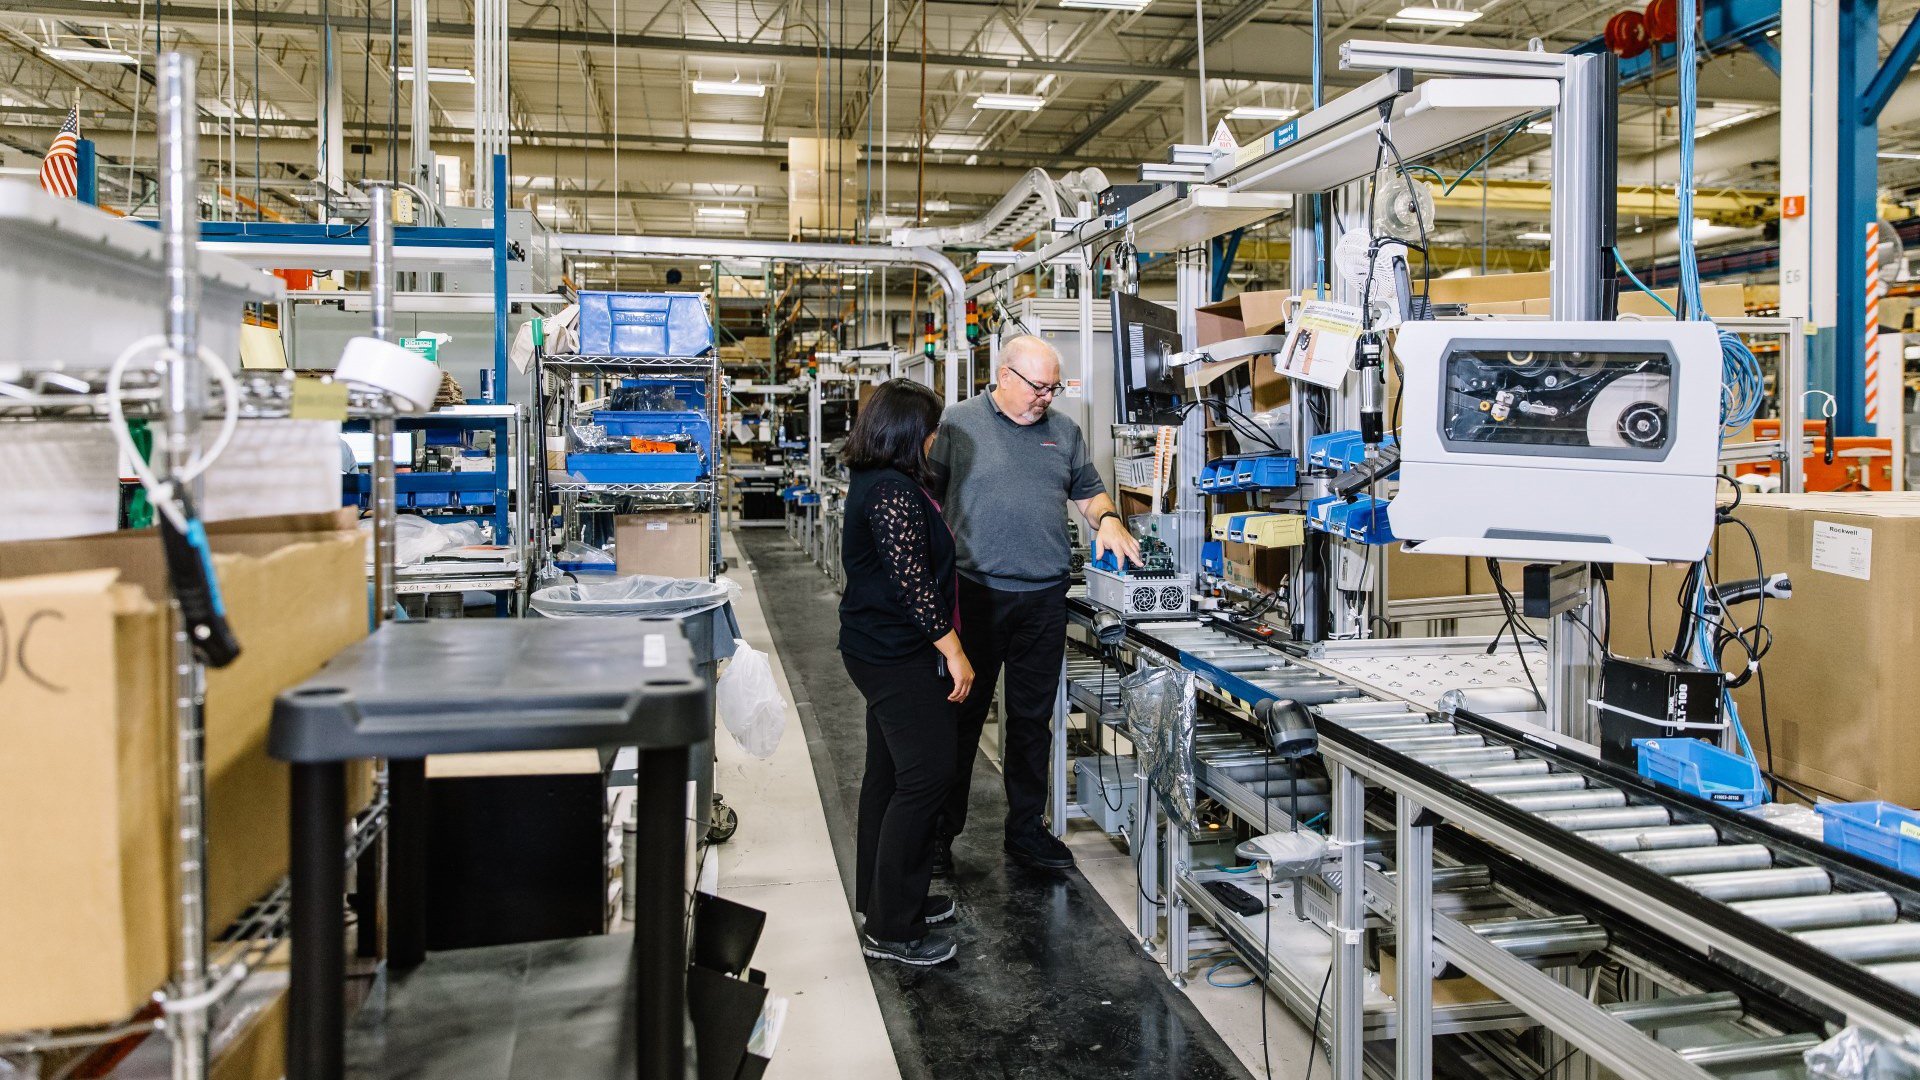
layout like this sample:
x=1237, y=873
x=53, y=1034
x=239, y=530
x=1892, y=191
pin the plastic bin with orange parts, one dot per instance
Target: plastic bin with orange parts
x=1860, y=463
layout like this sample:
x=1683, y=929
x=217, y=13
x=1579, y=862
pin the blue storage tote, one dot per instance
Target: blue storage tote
x=1701, y=769
x=636, y=468
x=644, y=324
x=658, y=425
x=1880, y=831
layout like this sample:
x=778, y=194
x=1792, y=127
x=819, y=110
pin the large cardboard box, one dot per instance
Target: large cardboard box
x=666, y=543
x=1526, y=294
x=1245, y=315
x=1419, y=577
x=1841, y=681
x=86, y=783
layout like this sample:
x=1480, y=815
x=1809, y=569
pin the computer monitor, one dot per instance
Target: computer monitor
x=1145, y=336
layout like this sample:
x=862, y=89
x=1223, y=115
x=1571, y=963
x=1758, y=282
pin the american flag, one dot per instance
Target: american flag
x=60, y=171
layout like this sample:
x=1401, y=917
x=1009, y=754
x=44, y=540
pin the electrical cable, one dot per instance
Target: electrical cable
x=161, y=494
x=1313, y=1034
x=1513, y=628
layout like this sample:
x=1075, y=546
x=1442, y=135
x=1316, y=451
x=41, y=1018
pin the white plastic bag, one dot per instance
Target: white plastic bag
x=749, y=701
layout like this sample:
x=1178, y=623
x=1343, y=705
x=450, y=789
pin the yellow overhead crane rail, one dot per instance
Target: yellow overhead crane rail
x=1734, y=207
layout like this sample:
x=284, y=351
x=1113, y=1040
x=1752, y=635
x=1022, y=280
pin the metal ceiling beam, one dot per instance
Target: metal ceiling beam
x=1218, y=32
x=181, y=15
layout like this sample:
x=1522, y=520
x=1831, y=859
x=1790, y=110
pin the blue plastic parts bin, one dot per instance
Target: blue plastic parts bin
x=426, y=490
x=644, y=324
x=1364, y=520
x=636, y=468
x=1249, y=473
x=1213, y=557
x=1701, y=769
x=658, y=425
x=1880, y=831
x=1340, y=449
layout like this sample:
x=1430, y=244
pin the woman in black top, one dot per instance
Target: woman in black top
x=901, y=647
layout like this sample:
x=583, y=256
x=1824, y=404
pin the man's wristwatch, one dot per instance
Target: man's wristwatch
x=1105, y=516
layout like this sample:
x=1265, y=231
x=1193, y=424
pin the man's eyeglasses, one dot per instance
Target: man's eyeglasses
x=1050, y=390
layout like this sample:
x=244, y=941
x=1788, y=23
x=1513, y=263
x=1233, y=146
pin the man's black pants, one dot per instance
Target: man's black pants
x=909, y=767
x=1026, y=634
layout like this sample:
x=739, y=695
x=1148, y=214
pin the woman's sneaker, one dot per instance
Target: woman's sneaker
x=938, y=909
x=932, y=949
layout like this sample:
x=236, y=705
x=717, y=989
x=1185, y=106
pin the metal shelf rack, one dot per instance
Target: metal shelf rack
x=557, y=381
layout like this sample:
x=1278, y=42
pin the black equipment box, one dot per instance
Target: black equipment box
x=1655, y=699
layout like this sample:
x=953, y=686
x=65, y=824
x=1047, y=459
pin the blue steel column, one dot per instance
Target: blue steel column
x=1840, y=352
x=499, y=391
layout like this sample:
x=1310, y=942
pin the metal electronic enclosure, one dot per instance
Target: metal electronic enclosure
x=1551, y=441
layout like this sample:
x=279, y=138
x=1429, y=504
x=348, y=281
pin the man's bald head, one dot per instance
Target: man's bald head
x=1033, y=357
x=1027, y=364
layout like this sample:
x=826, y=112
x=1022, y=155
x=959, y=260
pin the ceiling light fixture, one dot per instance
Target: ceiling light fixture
x=737, y=213
x=85, y=56
x=1108, y=5
x=853, y=271
x=1010, y=102
x=1726, y=122
x=1435, y=16
x=735, y=88
x=1261, y=112
x=937, y=206
x=1896, y=155
x=439, y=75
x=956, y=142
x=1536, y=236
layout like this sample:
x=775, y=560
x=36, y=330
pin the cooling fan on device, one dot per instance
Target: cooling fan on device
x=1402, y=206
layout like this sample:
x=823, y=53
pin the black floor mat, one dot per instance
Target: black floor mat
x=1048, y=982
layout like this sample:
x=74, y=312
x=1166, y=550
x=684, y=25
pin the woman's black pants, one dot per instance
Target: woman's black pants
x=910, y=748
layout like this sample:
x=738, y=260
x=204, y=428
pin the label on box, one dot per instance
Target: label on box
x=653, y=651
x=656, y=526
x=1908, y=828
x=1846, y=550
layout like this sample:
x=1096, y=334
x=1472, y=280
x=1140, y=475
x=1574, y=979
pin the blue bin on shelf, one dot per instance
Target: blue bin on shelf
x=1878, y=831
x=644, y=324
x=658, y=425
x=1703, y=770
x=636, y=468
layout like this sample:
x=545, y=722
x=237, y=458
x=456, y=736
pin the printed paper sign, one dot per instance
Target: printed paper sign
x=1320, y=343
x=1846, y=550
x=1074, y=389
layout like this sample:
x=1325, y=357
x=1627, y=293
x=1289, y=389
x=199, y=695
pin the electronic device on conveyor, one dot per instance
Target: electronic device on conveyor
x=1156, y=590
x=1559, y=441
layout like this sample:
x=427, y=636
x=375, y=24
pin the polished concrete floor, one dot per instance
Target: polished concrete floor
x=1048, y=982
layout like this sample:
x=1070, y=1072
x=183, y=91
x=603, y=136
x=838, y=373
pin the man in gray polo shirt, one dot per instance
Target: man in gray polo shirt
x=1004, y=469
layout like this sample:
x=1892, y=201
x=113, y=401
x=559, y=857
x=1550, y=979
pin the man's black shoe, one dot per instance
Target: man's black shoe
x=938, y=909
x=932, y=949
x=1039, y=848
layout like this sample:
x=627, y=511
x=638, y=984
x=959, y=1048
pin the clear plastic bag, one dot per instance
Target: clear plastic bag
x=587, y=438
x=584, y=555
x=415, y=538
x=749, y=703
x=1159, y=703
x=1858, y=1054
x=640, y=596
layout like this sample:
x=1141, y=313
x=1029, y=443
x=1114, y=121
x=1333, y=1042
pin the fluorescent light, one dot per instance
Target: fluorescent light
x=957, y=142
x=1261, y=112
x=1435, y=16
x=738, y=213
x=1107, y=5
x=439, y=75
x=1536, y=236
x=735, y=88
x=853, y=271
x=1895, y=155
x=1726, y=122
x=1010, y=102
x=1540, y=127
x=85, y=56
x=972, y=159
x=937, y=206
x=849, y=286
x=1703, y=228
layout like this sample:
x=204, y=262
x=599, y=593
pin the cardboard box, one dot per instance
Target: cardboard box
x=1245, y=315
x=1464, y=990
x=1420, y=577
x=86, y=930
x=1840, y=675
x=85, y=794
x=1527, y=294
x=1256, y=567
x=666, y=543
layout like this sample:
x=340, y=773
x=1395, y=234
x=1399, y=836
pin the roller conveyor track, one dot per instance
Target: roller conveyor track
x=1832, y=935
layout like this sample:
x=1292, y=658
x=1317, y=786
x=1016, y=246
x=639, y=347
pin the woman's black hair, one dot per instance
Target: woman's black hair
x=891, y=429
